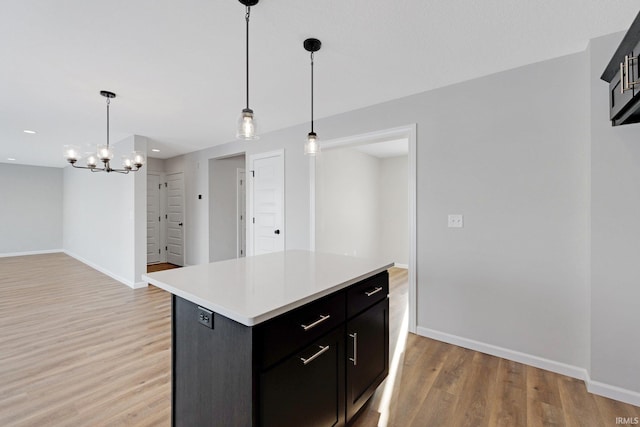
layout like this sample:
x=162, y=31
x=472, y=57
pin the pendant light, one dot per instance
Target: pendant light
x=312, y=147
x=247, y=125
x=104, y=152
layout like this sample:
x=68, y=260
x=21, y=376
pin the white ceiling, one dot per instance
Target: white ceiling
x=178, y=66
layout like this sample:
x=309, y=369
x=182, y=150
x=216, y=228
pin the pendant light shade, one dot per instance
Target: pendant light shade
x=312, y=146
x=247, y=128
x=247, y=125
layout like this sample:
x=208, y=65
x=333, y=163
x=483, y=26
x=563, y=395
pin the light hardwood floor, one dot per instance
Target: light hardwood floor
x=79, y=349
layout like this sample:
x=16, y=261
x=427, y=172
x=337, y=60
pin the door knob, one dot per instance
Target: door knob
x=277, y=232
x=180, y=224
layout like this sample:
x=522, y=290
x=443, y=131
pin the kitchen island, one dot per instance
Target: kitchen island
x=293, y=338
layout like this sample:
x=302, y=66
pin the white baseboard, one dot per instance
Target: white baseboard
x=48, y=251
x=139, y=285
x=102, y=270
x=601, y=389
x=505, y=353
x=613, y=392
x=405, y=266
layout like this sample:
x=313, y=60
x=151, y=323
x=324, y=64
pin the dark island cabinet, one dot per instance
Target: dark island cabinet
x=316, y=365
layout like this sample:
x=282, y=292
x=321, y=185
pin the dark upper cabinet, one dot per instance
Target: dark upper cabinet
x=623, y=75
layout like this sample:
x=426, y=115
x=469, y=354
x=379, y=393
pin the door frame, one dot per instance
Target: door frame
x=162, y=211
x=250, y=213
x=409, y=132
x=241, y=173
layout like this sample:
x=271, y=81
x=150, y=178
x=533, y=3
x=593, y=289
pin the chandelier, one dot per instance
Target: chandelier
x=104, y=153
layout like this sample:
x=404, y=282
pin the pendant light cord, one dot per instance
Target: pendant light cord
x=108, y=102
x=311, y=92
x=246, y=17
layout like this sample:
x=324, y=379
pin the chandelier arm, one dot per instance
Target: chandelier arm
x=123, y=171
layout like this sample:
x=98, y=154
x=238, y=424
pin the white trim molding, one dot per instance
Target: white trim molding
x=48, y=251
x=613, y=392
x=132, y=285
x=601, y=389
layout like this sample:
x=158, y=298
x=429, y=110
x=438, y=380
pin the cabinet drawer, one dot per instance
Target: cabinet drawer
x=289, y=332
x=366, y=293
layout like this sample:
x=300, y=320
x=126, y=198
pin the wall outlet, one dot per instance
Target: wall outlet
x=205, y=317
x=455, y=221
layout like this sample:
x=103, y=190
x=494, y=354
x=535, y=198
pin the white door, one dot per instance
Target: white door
x=153, y=219
x=267, y=203
x=242, y=212
x=175, y=218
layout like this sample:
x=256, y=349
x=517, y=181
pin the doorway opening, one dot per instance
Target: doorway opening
x=363, y=200
x=227, y=207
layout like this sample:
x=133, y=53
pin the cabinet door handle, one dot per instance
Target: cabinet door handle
x=323, y=349
x=375, y=291
x=316, y=323
x=625, y=71
x=354, y=359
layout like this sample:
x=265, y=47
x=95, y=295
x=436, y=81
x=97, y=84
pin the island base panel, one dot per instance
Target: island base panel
x=212, y=376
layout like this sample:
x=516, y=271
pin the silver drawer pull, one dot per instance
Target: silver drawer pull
x=354, y=359
x=316, y=323
x=375, y=291
x=323, y=349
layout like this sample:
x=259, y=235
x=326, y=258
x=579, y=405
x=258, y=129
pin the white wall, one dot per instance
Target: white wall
x=348, y=201
x=223, y=204
x=511, y=152
x=508, y=153
x=615, y=235
x=104, y=217
x=394, y=209
x=362, y=205
x=154, y=165
x=31, y=212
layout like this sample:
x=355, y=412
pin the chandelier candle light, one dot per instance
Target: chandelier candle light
x=247, y=124
x=312, y=147
x=104, y=153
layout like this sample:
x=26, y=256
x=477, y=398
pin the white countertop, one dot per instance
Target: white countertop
x=254, y=289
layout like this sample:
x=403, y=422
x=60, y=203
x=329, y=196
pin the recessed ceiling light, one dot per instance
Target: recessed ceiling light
x=11, y=159
x=29, y=131
x=155, y=150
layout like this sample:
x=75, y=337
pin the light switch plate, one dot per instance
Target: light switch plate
x=455, y=221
